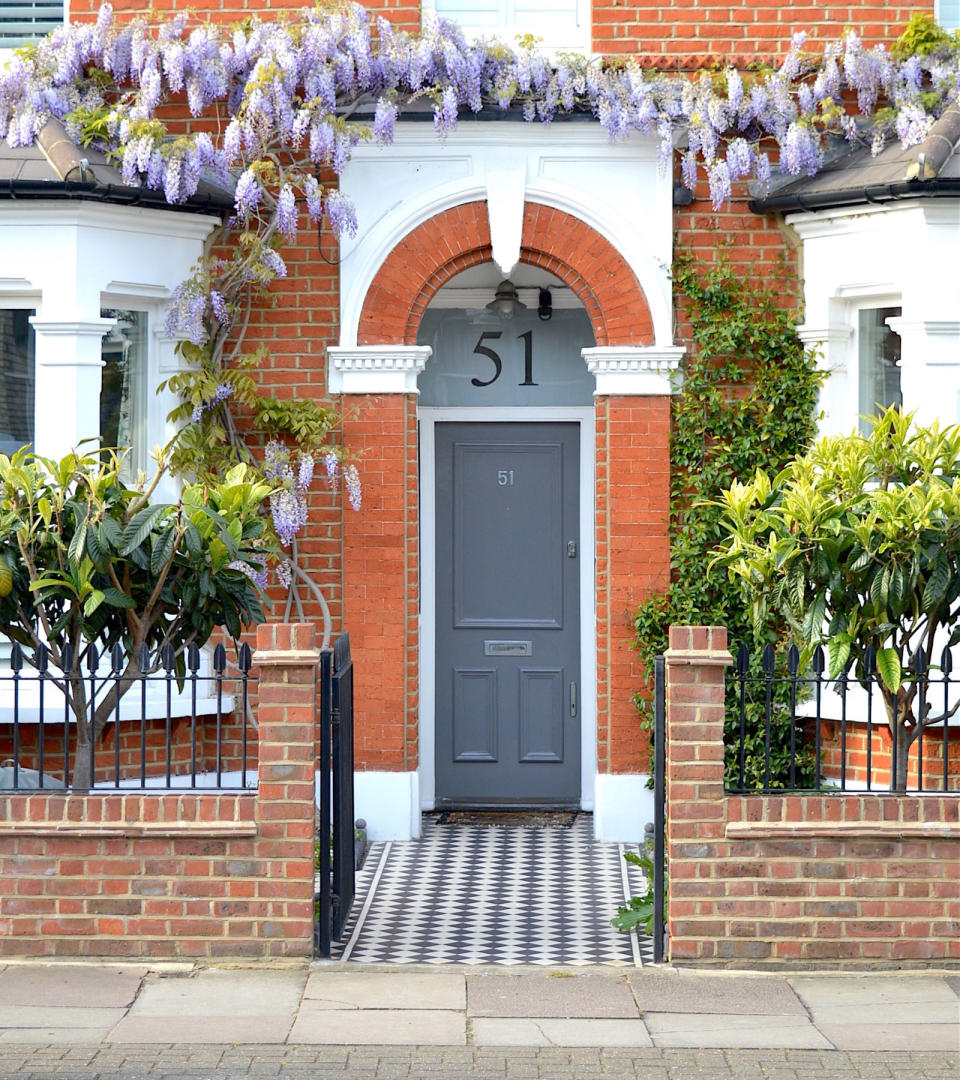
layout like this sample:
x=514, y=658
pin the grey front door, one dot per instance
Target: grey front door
x=508, y=614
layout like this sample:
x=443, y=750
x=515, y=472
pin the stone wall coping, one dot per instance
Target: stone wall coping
x=190, y=829
x=698, y=658
x=286, y=657
x=800, y=830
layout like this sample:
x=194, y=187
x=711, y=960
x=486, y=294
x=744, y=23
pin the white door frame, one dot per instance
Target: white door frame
x=586, y=419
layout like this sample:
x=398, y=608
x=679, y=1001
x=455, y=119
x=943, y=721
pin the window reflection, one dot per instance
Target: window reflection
x=123, y=387
x=17, y=375
x=879, y=357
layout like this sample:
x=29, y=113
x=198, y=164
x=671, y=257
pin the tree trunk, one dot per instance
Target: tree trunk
x=901, y=746
x=83, y=773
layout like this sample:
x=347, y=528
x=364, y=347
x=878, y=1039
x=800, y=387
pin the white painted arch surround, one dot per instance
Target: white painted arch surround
x=573, y=167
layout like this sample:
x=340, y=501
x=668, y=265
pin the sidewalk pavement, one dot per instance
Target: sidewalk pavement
x=289, y=1004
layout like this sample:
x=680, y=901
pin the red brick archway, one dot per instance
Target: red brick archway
x=434, y=252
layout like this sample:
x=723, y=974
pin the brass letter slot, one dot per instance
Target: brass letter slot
x=508, y=648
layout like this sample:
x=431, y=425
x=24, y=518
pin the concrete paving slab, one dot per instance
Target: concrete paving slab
x=545, y=995
x=205, y=1029
x=690, y=992
x=887, y=1037
x=221, y=992
x=381, y=1027
x=384, y=990
x=877, y=999
x=548, y=1031
x=35, y=1016
x=99, y=986
x=728, y=1030
x=953, y=981
x=49, y=1036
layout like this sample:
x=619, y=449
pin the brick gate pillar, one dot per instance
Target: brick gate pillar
x=287, y=718
x=695, y=665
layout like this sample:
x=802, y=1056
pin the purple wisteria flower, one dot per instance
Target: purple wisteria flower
x=288, y=509
x=305, y=473
x=287, y=212
x=248, y=194
x=351, y=478
x=331, y=464
x=341, y=213
x=258, y=577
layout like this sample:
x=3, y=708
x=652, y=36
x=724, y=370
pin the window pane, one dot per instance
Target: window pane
x=16, y=380
x=879, y=363
x=22, y=21
x=123, y=387
x=948, y=14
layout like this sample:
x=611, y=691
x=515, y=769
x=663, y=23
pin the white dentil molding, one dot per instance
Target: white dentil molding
x=376, y=369
x=634, y=370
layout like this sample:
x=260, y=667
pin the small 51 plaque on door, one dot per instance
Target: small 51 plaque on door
x=508, y=648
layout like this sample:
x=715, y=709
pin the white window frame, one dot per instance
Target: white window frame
x=940, y=18
x=552, y=41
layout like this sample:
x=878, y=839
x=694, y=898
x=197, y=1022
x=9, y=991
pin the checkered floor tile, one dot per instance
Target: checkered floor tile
x=474, y=894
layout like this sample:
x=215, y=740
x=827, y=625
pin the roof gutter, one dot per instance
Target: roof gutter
x=89, y=191
x=874, y=193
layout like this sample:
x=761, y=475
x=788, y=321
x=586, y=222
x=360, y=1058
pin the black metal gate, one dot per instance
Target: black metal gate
x=335, y=879
x=659, y=806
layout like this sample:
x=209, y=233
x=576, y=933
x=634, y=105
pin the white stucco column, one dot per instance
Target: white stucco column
x=68, y=367
x=831, y=343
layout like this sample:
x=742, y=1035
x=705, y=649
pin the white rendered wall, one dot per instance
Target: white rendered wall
x=901, y=254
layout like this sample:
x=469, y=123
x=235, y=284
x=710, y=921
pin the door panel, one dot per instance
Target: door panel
x=507, y=618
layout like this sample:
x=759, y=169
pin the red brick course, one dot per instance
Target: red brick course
x=177, y=874
x=811, y=879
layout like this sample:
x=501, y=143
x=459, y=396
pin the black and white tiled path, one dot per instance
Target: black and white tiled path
x=477, y=894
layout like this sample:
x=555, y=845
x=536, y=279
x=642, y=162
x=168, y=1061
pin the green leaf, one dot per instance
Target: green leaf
x=937, y=584
x=78, y=543
x=163, y=548
x=115, y=598
x=838, y=652
x=140, y=526
x=92, y=602
x=888, y=667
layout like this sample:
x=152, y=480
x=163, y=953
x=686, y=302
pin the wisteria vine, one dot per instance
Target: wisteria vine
x=291, y=98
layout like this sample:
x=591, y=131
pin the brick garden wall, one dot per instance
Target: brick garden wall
x=820, y=880
x=177, y=874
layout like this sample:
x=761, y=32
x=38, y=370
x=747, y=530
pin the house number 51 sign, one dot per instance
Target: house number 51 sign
x=484, y=350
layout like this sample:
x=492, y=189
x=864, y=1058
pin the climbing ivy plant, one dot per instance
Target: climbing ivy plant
x=749, y=401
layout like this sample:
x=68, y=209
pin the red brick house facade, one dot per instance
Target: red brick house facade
x=553, y=208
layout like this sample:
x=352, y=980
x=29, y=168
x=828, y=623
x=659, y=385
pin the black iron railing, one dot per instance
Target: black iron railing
x=336, y=880
x=796, y=729
x=158, y=722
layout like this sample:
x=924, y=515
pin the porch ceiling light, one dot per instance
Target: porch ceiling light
x=505, y=300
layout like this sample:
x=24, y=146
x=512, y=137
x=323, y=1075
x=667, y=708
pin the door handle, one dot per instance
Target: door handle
x=573, y=699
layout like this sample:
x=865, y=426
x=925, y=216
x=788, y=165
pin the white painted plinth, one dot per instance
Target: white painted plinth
x=623, y=806
x=389, y=802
